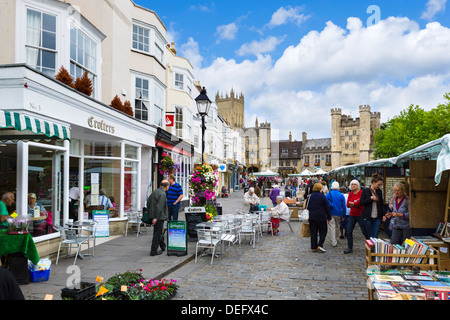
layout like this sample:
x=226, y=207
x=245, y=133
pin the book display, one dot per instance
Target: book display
x=412, y=253
x=407, y=284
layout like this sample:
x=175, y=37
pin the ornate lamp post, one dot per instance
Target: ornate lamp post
x=203, y=105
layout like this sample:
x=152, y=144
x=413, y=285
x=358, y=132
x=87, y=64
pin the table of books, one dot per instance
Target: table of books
x=407, y=284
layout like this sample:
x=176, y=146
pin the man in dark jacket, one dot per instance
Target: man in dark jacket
x=158, y=212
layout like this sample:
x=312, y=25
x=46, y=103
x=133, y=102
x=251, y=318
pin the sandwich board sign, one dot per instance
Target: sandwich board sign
x=102, y=218
x=176, y=238
x=194, y=215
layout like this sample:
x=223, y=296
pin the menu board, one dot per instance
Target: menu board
x=194, y=215
x=102, y=218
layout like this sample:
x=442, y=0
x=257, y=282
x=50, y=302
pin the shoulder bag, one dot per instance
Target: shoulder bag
x=305, y=213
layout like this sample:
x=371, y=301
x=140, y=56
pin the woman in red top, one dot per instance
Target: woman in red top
x=353, y=202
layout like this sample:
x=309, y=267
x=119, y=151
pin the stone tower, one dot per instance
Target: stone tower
x=352, y=139
x=231, y=108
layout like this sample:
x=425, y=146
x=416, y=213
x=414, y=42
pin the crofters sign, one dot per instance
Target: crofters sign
x=170, y=120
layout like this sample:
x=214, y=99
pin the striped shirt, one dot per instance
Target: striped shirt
x=173, y=193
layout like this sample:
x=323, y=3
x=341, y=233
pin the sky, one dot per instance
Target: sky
x=296, y=60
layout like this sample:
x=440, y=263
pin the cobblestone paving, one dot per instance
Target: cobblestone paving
x=280, y=267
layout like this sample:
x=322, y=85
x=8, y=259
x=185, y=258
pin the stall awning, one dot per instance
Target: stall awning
x=23, y=122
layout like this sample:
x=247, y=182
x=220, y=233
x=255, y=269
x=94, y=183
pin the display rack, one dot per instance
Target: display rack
x=429, y=261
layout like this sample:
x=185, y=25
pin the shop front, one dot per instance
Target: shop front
x=57, y=144
x=182, y=154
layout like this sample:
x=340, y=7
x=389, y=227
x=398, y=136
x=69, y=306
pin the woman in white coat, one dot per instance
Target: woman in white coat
x=282, y=211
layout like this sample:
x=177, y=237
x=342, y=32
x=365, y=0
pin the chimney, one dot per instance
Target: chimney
x=304, y=136
x=172, y=47
x=290, y=136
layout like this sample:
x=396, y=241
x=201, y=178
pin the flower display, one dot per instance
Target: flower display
x=202, y=184
x=18, y=225
x=168, y=165
x=137, y=288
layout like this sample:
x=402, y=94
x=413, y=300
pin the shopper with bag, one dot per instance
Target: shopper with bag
x=319, y=215
x=337, y=203
x=251, y=201
x=279, y=213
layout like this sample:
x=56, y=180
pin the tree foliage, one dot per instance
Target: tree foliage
x=411, y=129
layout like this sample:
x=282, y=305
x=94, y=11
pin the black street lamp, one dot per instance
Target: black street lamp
x=203, y=105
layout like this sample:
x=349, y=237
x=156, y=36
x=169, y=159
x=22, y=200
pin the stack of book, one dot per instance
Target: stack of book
x=407, y=285
x=409, y=247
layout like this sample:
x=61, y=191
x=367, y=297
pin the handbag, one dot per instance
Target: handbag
x=305, y=213
x=146, y=216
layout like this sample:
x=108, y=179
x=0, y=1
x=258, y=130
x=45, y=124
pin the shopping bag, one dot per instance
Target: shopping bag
x=305, y=230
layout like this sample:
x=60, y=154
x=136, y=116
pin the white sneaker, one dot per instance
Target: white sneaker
x=320, y=249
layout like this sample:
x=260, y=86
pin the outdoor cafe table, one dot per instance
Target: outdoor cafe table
x=18, y=243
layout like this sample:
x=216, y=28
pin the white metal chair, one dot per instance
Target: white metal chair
x=69, y=237
x=231, y=234
x=135, y=218
x=264, y=221
x=207, y=239
x=248, y=228
x=87, y=229
x=288, y=221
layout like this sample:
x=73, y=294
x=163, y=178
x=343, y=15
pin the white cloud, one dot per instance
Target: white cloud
x=190, y=50
x=201, y=8
x=258, y=47
x=287, y=14
x=395, y=49
x=433, y=7
x=389, y=66
x=227, y=31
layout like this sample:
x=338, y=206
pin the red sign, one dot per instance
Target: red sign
x=170, y=120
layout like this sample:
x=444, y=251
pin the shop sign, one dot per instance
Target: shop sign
x=170, y=120
x=100, y=125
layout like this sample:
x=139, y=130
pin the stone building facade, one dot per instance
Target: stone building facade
x=257, y=141
x=352, y=139
x=316, y=153
x=286, y=155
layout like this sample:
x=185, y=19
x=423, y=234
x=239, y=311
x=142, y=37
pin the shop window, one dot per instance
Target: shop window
x=45, y=190
x=8, y=169
x=102, y=149
x=130, y=186
x=131, y=152
x=101, y=174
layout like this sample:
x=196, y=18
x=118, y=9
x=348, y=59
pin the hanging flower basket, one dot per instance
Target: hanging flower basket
x=168, y=165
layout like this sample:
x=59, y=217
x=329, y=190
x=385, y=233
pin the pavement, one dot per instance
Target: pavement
x=119, y=254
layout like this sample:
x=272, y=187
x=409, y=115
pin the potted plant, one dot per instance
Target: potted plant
x=168, y=165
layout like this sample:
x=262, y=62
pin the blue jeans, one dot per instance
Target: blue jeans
x=372, y=226
x=173, y=212
x=352, y=220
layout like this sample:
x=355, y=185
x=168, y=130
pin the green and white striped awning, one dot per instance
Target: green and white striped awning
x=23, y=122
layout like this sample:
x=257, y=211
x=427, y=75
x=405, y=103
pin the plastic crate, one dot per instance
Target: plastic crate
x=86, y=291
x=38, y=276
